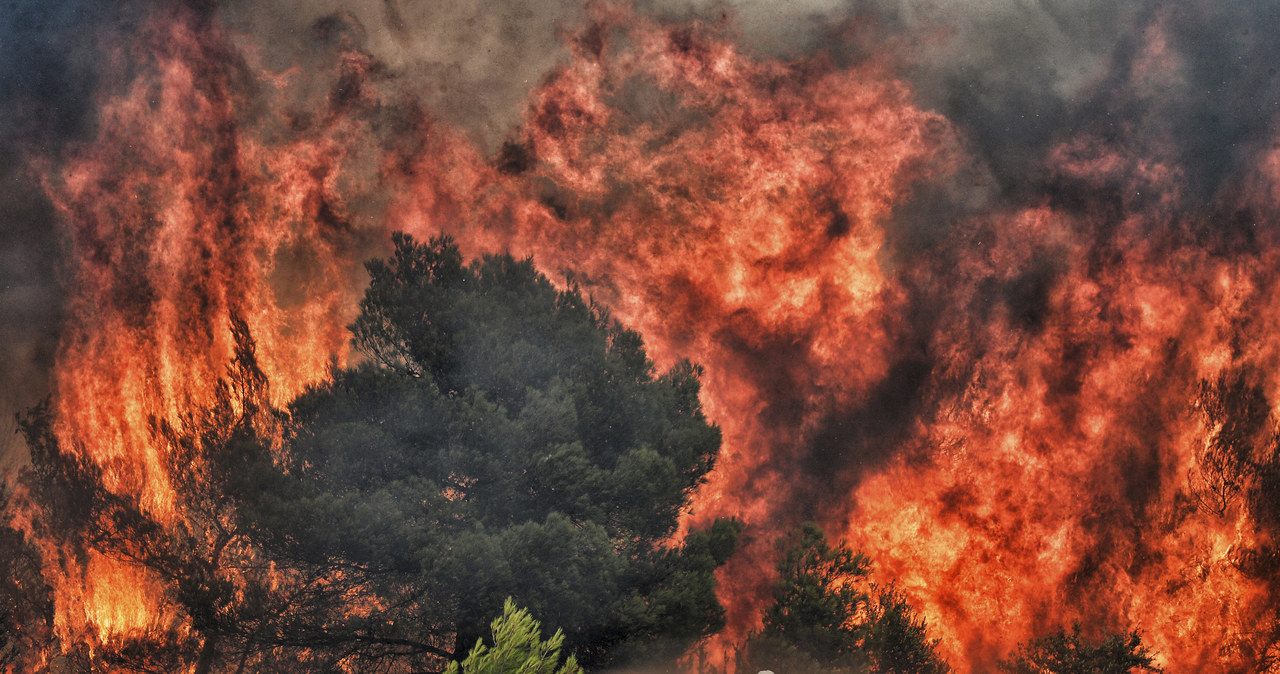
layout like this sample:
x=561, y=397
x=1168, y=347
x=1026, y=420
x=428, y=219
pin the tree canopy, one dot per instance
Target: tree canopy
x=1063, y=652
x=517, y=647
x=503, y=438
x=828, y=617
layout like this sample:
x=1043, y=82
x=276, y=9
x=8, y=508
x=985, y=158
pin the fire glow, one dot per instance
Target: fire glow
x=1002, y=413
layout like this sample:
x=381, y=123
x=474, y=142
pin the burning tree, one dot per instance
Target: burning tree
x=504, y=439
x=1237, y=474
x=26, y=606
x=827, y=616
x=1063, y=653
x=214, y=582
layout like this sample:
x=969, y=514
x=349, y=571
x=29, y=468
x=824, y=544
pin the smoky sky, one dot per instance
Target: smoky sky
x=46, y=85
x=1015, y=77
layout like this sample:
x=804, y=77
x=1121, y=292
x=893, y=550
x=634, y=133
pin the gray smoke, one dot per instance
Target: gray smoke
x=1012, y=73
x=471, y=62
x=46, y=85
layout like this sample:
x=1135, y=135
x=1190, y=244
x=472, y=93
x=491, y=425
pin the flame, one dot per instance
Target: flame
x=738, y=221
x=180, y=217
x=1024, y=463
x=1001, y=414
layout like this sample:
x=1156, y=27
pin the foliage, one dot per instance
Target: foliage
x=209, y=568
x=827, y=617
x=898, y=639
x=818, y=598
x=517, y=648
x=503, y=439
x=1071, y=653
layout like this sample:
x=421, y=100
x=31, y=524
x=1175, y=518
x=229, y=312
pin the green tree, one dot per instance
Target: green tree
x=898, y=639
x=828, y=617
x=504, y=438
x=1070, y=653
x=517, y=648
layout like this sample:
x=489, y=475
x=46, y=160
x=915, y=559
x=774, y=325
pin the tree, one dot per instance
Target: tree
x=818, y=597
x=1240, y=446
x=898, y=639
x=827, y=617
x=517, y=647
x=26, y=602
x=504, y=438
x=1070, y=653
x=1237, y=471
x=210, y=571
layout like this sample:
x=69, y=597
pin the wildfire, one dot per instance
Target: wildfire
x=1001, y=412
x=181, y=218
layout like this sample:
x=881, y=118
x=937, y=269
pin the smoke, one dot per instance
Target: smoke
x=472, y=63
x=1189, y=81
x=1012, y=69
x=47, y=80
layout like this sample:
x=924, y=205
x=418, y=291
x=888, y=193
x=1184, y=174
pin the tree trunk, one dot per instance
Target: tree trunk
x=208, y=655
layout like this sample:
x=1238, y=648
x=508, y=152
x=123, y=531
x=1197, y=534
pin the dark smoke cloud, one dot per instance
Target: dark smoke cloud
x=1010, y=74
x=1020, y=77
x=46, y=84
x=470, y=62
x=1222, y=106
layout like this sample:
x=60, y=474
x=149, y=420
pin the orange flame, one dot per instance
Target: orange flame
x=180, y=218
x=735, y=215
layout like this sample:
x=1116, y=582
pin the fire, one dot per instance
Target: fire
x=1001, y=412
x=181, y=218
x=738, y=220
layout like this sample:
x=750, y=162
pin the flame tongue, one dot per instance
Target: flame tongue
x=1061, y=479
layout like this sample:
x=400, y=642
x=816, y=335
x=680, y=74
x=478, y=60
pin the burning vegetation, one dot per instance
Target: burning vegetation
x=907, y=341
